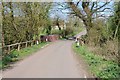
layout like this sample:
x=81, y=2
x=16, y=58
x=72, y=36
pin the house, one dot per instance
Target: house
x=60, y=25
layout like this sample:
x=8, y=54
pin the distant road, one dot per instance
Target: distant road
x=54, y=61
x=81, y=33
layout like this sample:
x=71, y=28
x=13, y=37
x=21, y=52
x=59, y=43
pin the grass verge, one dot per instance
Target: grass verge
x=99, y=66
x=18, y=55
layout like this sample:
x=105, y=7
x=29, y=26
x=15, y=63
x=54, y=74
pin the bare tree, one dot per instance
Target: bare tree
x=87, y=11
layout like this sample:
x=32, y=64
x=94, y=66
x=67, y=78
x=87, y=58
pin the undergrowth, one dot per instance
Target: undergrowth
x=99, y=66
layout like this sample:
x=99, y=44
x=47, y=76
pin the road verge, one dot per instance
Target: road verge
x=99, y=66
x=16, y=55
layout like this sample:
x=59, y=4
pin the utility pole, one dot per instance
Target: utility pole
x=1, y=37
x=1, y=23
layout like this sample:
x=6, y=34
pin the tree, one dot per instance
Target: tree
x=24, y=21
x=115, y=20
x=8, y=25
x=87, y=11
x=58, y=22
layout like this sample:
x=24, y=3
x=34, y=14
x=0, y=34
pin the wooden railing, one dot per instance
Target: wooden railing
x=7, y=48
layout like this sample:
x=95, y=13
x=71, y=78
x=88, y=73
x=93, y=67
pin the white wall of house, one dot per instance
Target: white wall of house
x=56, y=27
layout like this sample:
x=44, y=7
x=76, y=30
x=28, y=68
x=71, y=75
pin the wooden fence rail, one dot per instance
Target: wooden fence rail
x=7, y=48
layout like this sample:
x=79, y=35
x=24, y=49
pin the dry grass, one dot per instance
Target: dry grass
x=108, y=50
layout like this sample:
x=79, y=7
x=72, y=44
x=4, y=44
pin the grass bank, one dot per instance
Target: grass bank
x=18, y=55
x=99, y=66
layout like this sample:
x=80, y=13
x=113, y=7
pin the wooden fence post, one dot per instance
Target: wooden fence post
x=39, y=41
x=31, y=43
x=19, y=47
x=26, y=44
x=8, y=49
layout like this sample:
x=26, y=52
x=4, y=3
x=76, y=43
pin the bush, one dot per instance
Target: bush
x=56, y=32
x=68, y=32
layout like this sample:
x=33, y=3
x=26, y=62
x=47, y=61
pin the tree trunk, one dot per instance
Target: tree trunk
x=59, y=26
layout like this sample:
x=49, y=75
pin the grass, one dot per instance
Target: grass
x=29, y=50
x=99, y=66
x=18, y=55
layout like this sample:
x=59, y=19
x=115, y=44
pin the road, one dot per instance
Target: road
x=56, y=60
x=81, y=33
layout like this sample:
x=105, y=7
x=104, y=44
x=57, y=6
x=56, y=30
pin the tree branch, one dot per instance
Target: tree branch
x=78, y=2
x=85, y=6
x=75, y=9
x=99, y=7
x=102, y=15
x=103, y=10
x=92, y=6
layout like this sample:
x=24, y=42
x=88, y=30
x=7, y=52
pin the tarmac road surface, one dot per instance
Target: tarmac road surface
x=54, y=61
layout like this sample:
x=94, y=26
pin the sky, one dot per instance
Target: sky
x=56, y=12
x=63, y=15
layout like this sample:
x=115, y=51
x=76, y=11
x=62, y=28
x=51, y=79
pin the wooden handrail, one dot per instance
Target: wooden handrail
x=19, y=44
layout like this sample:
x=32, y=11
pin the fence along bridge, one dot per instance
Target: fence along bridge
x=7, y=48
